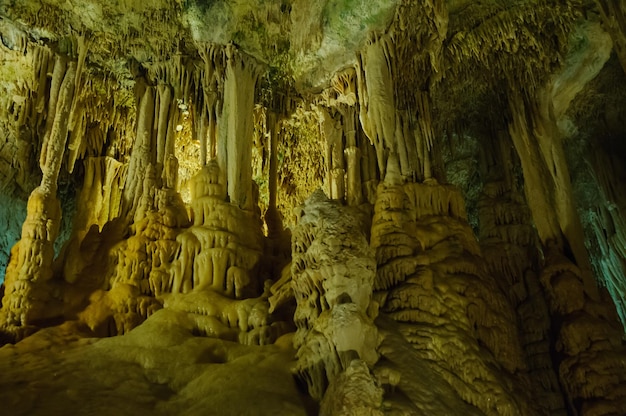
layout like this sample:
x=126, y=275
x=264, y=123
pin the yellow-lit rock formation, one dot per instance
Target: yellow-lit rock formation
x=298, y=208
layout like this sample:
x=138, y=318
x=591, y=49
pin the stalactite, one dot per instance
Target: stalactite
x=44, y=62
x=54, y=147
x=376, y=99
x=272, y=217
x=369, y=172
x=235, y=136
x=162, y=113
x=352, y=154
x=77, y=118
x=55, y=86
x=333, y=133
x=549, y=191
x=614, y=18
x=214, y=58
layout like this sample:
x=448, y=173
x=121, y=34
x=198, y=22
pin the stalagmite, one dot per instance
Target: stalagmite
x=508, y=244
x=333, y=273
x=428, y=261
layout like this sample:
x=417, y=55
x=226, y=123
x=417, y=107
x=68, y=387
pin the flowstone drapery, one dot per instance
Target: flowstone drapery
x=431, y=279
x=508, y=243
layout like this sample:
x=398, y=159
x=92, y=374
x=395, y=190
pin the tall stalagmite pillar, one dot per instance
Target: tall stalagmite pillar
x=333, y=271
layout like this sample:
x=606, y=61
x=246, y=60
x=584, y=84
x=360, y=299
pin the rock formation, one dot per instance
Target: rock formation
x=292, y=207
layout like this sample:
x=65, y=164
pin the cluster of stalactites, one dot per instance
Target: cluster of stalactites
x=209, y=103
x=396, y=115
x=215, y=96
x=372, y=101
x=364, y=132
x=361, y=104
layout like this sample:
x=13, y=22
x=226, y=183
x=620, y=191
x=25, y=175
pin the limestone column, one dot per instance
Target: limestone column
x=583, y=318
x=27, y=296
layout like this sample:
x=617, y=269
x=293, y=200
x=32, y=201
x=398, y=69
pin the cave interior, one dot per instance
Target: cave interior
x=294, y=207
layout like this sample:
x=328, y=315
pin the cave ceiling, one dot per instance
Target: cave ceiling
x=484, y=42
x=483, y=47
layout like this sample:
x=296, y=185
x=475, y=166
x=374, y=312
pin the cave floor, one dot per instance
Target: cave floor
x=159, y=368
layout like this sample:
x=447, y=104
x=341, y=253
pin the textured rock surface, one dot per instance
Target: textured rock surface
x=332, y=279
x=333, y=207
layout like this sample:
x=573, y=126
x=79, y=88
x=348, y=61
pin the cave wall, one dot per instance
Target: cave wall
x=416, y=220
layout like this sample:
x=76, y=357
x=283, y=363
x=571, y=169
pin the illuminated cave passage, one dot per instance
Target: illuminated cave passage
x=288, y=207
